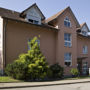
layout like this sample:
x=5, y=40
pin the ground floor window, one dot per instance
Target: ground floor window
x=67, y=59
x=85, y=68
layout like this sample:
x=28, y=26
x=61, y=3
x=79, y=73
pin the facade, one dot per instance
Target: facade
x=62, y=39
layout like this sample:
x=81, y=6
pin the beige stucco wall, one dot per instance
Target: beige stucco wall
x=61, y=49
x=51, y=42
x=18, y=34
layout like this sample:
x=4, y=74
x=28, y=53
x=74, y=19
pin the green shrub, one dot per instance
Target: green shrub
x=31, y=65
x=16, y=70
x=74, y=72
x=57, y=71
x=49, y=73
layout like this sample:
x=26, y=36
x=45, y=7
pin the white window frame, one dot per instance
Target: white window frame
x=85, y=49
x=67, y=20
x=68, y=60
x=67, y=41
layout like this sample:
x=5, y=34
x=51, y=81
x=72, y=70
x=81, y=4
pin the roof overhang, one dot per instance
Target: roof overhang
x=42, y=26
x=23, y=13
x=81, y=58
x=55, y=17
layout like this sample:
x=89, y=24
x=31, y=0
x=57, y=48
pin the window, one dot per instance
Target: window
x=85, y=68
x=67, y=59
x=67, y=22
x=28, y=44
x=84, y=33
x=67, y=40
x=85, y=49
x=38, y=41
x=33, y=21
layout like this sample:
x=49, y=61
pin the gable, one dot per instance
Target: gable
x=33, y=13
x=59, y=14
x=84, y=29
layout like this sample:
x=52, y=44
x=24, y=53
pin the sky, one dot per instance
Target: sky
x=81, y=8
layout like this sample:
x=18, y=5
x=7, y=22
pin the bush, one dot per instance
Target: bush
x=74, y=72
x=16, y=70
x=57, y=71
x=31, y=65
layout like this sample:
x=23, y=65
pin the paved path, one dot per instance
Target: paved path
x=79, y=86
x=40, y=84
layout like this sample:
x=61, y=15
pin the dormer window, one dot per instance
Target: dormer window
x=84, y=33
x=67, y=22
x=84, y=29
x=33, y=21
x=30, y=20
x=33, y=14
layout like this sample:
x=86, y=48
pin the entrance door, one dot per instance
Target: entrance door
x=85, y=68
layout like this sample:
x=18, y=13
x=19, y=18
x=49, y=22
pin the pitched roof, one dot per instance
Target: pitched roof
x=34, y=5
x=60, y=13
x=10, y=14
x=55, y=16
x=13, y=15
x=81, y=25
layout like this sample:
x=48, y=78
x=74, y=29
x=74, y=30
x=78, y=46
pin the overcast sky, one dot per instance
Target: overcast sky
x=81, y=8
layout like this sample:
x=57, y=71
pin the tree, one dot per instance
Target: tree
x=38, y=67
x=31, y=65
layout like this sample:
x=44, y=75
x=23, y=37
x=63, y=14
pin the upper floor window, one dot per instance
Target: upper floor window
x=67, y=22
x=67, y=39
x=84, y=33
x=85, y=49
x=67, y=59
x=33, y=21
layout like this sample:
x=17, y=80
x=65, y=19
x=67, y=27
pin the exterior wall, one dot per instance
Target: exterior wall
x=51, y=42
x=83, y=41
x=1, y=44
x=61, y=49
x=18, y=34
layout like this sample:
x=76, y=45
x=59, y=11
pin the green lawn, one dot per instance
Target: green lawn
x=8, y=79
x=81, y=77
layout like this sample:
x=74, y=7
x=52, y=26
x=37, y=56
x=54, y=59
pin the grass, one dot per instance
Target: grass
x=75, y=78
x=8, y=79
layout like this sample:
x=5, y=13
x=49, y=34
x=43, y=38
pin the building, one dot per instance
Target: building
x=62, y=39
